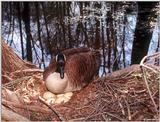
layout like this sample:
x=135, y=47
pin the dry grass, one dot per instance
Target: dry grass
x=130, y=94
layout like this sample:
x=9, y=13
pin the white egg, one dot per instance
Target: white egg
x=68, y=95
x=60, y=95
x=61, y=100
x=48, y=95
x=66, y=100
x=51, y=100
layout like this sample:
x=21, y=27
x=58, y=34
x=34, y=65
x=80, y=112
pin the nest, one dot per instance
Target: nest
x=128, y=94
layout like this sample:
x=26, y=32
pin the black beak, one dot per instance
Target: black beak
x=61, y=72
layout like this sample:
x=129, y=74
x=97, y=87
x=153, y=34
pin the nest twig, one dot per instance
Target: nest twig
x=53, y=110
x=120, y=96
x=143, y=66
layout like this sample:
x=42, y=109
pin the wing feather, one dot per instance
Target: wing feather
x=82, y=67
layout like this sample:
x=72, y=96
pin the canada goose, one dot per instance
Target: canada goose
x=71, y=70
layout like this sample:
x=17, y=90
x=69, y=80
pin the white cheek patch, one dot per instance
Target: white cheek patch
x=55, y=84
x=64, y=57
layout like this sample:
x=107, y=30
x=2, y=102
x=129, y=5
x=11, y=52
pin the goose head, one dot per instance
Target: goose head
x=60, y=60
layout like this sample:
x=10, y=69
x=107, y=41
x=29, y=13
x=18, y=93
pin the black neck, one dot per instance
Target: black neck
x=60, y=69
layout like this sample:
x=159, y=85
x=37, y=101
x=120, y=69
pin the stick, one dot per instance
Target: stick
x=13, y=82
x=150, y=94
x=146, y=82
x=128, y=109
x=54, y=111
x=29, y=107
x=11, y=116
x=144, y=59
x=27, y=70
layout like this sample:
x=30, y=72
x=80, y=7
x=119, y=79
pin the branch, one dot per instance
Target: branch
x=143, y=65
x=54, y=111
x=26, y=107
x=11, y=116
x=145, y=77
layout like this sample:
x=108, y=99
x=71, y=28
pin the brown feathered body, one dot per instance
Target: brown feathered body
x=81, y=66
